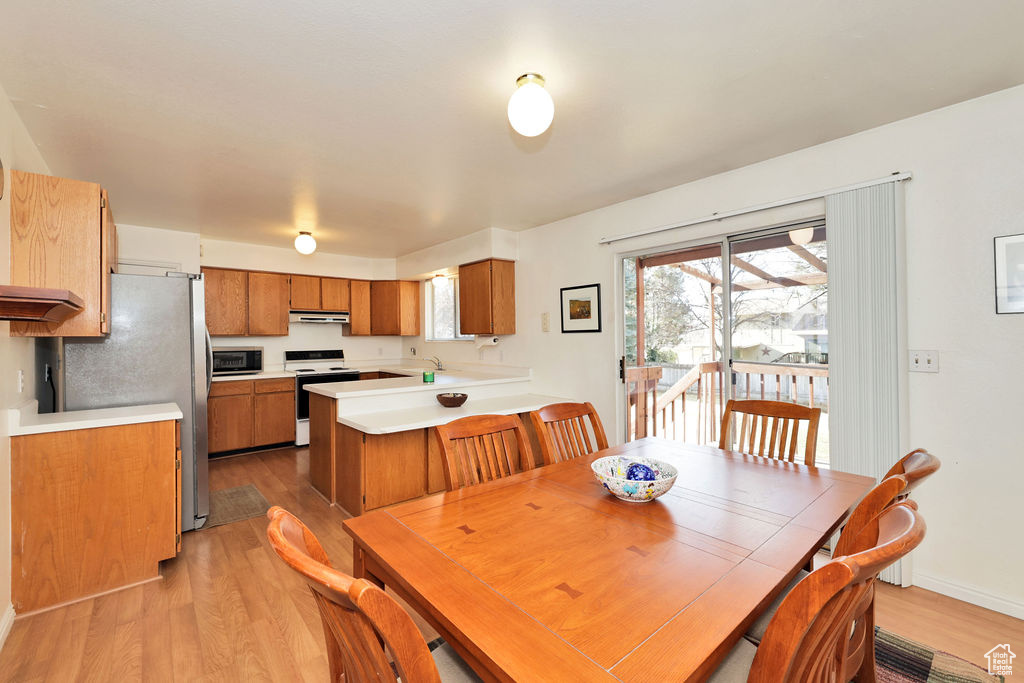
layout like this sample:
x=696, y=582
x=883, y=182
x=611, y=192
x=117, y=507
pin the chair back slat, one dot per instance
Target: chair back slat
x=361, y=622
x=481, y=448
x=815, y=636
x=769, y=429
x=562, y=431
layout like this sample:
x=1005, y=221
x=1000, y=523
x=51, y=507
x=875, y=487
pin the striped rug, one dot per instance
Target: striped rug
x=904, y=661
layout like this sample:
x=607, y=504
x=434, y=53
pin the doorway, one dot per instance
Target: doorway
x=698, y=334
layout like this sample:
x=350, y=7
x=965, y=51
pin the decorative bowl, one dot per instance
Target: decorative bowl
x=451, y=400
x=612, y=471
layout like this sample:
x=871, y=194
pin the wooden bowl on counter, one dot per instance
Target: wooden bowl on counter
x=451, y=400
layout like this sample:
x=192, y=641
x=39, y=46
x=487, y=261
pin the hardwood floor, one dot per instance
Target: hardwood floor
x=229, y=609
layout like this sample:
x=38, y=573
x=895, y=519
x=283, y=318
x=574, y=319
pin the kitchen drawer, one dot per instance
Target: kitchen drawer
x=271, y=386
x=237, y=388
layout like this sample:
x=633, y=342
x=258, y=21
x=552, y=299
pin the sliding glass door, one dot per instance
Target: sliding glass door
x=680, y=367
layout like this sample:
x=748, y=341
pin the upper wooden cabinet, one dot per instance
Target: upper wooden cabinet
x=305, y=293
x=269, y=297
x=487, y=297
x=334, y=294
x=241, y=303
x=359, y=309
x=395, y=307
x=227, y=302
x=63, y=237
x=311, y=293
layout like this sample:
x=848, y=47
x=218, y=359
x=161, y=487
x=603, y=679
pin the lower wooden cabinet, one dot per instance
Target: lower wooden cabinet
x=246, y=413
x=94, y=510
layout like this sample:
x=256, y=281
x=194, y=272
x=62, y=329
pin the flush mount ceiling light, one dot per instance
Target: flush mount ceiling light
x=439, y=279
x=530, y=109
x=801, y=235
x=304, y=243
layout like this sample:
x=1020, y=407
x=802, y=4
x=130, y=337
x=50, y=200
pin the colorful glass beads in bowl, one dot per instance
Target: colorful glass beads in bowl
x=634, y=479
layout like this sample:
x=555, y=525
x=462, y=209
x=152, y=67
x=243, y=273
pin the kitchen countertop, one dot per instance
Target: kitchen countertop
x=273, y=374
x=25, y=419
x=387, y=422
x=447, y=380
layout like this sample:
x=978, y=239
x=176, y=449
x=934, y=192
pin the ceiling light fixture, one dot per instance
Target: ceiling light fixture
x=439, y=279
x=304, y=243
x=530, y=109
x=801, y=236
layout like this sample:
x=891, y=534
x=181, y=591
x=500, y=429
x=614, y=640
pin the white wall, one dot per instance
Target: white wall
x=138, y=244
x=968, y=172
x=17, y=152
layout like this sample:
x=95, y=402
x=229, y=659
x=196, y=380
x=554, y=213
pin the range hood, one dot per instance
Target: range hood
x=36, y=304
x=318, y=317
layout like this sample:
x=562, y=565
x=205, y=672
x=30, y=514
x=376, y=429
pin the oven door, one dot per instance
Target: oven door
x=302, y=396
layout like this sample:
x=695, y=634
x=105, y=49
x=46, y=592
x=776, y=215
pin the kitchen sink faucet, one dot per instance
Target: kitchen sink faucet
x=438, y=364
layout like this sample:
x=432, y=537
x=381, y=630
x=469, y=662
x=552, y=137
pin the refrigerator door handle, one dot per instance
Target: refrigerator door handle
x=209, y=359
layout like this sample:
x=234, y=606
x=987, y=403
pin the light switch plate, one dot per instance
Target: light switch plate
x=545, y=322
x=924, y=361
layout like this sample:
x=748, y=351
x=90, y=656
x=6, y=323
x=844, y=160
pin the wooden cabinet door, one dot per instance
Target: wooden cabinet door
x=503, y=296
x=269, y=297
x=305, y=293
x=409, y=308
x=334, y=294
x=274, y=418
x=230, y=422
x=360, y=307
x=475, y=316
x=227, y=301
x=56, y=242
x=384, y=307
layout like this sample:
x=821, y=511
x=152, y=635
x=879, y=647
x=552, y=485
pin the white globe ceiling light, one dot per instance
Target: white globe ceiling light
x=530, y=109
x=800, y=236
x=304, y=243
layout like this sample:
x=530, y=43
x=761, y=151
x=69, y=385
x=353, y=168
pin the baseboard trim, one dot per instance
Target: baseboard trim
x=6, y=622
x=972, y=595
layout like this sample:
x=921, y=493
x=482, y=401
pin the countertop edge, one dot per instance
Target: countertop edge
x=24, y=420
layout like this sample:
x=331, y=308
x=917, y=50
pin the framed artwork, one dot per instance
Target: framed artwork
x=1009, y=274
x=581, y=308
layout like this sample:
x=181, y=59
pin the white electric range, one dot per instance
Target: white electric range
x=314, y=367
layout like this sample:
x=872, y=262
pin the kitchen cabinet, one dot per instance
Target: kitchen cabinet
x=395, y=307
x=273, y=411
x=360, y=307
x=227, y=301
x=487, y=297
x=96, y=510
x=334, y=294
x=305, y=293
x=229, y=411
x=247, y=413
x=269, y=299
x=63, y=236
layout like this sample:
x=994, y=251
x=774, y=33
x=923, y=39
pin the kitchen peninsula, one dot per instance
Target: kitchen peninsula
x=371, y=442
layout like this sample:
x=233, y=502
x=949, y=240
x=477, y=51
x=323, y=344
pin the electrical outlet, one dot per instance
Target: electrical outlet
x=46, y=372
x=545, y=322
x=924, y=361
x=380, y=350
x=21, y=381
x=413, y=350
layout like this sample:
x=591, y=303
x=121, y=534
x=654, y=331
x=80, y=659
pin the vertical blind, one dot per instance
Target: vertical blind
x=864, y=329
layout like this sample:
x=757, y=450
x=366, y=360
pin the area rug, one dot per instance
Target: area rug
x=904, y=661
x=234, y=505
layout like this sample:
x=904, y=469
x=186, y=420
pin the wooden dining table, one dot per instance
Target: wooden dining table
x=544, y=576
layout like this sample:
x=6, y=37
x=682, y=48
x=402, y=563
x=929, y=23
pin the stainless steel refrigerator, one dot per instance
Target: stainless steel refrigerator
x=157, y=352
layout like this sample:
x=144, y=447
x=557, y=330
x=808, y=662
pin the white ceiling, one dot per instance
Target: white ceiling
x=383, y=123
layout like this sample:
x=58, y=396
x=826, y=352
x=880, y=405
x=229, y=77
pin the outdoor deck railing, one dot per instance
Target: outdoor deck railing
x=705, y=383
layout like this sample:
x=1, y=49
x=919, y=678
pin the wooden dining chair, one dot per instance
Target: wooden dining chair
x=769, y=429
x=916, y=466
x=361, y=622
x=819, y=633
x=480, y=448
x=563, y=433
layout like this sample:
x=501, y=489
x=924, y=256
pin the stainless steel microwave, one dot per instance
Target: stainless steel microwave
x=237, y=360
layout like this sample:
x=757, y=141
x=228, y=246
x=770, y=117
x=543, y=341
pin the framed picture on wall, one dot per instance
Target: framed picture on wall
x=581, y=308
x=1009, y=274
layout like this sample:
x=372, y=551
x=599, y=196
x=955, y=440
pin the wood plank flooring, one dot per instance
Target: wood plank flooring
x=228, y=609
